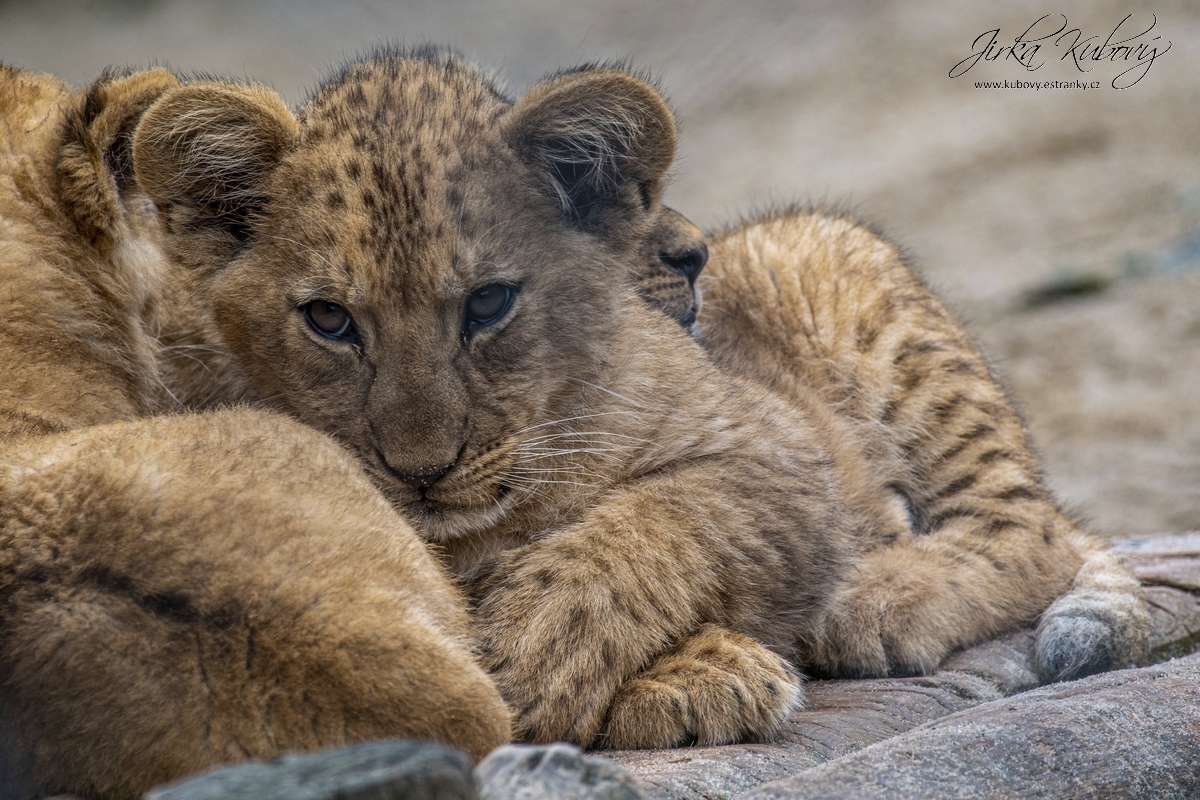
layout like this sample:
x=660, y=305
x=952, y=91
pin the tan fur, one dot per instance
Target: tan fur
x=644, y=534
x=822, y=310
x=714, y=687
x=582, y=443
x=178, y=591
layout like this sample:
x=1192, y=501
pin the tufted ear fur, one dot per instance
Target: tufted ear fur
x=204, y=151
x=95, y=163
x=603, y=141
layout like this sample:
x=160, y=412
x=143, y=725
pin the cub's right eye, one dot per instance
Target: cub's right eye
x=330, y=320
x=487, y=306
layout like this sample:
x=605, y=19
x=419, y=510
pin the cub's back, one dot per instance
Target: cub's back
x=818, y=306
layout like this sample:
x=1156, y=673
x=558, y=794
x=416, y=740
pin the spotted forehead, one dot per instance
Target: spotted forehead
x=406, y=104
x=393, y=142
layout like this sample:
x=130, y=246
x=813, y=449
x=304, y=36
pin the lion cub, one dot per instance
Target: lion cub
x=442, y=279
x=820, y=309
x=179, y=590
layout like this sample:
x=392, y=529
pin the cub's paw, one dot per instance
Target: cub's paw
x=860, y=639
x=715, y=687
x=1072, y=647
x=1087, y=631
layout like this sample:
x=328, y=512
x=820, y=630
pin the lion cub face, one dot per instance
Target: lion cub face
x=415, y=264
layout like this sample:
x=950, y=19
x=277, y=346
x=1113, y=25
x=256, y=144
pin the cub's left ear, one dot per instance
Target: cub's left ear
x=602, y=140
x=95, y=161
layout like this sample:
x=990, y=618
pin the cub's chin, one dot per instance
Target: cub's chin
x=442, y=522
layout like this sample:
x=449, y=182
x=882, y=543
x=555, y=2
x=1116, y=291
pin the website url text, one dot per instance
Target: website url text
x=1037, y=85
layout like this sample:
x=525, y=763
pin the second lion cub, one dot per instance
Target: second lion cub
x=442, y=279
x=821, y=310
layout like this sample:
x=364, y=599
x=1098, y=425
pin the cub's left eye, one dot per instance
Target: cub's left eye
x=330, y=320
x=488, y=306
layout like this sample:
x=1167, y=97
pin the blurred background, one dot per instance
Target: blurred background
x=1063, y=224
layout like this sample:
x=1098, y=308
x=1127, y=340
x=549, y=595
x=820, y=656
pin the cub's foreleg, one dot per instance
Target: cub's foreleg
x=566, y=621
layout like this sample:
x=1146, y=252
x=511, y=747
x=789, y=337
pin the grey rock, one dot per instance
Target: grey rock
x=842, y=717
x=1127, y=734
x=838, y=718
x=391, y=770
x=551, y=772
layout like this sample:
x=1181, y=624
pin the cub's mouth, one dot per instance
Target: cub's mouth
x=458, y=503
x=427, y=509
x=436, y=512
x=441, y=521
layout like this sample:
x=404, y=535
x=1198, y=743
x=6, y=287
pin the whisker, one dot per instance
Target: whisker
x=167, y=389
x=565, y=420
x=607, y=456
x=191, y=357
x=619, y=396
x=208, y=348
x=549, y=482
x=583, y=435
x=533, y=471
x=264, y=400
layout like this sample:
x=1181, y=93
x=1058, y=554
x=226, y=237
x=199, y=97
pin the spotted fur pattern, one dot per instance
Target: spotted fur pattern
x=646, y=536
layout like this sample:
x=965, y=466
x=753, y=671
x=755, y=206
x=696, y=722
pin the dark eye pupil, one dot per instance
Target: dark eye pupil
x=328, y=318
x=488, y=303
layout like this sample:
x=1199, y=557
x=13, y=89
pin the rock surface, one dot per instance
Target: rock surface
x=551, y=772
x=392, y=770
x=841, y=718
x=1129, y=734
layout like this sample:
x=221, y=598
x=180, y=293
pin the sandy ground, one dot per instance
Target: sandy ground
x=1063, y=223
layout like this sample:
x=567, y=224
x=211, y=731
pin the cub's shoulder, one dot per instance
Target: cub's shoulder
x=30, y=106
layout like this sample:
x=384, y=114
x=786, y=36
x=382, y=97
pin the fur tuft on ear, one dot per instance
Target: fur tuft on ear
x=95, y=162
x=203, y=152
x=602, y=138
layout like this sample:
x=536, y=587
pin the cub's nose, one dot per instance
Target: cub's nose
x=689, y=262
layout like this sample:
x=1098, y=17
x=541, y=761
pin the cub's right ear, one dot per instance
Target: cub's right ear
x=204, y=151
x=602, y=141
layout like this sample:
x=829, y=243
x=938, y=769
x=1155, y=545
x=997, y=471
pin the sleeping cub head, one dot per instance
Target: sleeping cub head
x=416, y=264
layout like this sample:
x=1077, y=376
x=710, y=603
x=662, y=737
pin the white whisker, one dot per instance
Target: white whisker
x=565, y=420
x=583, y=436
x=617, y=395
